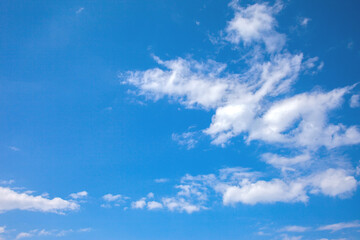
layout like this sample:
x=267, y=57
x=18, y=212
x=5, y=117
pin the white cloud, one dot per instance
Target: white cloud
x=294, y=228
x=82, y=194
x=53, y=232
x=251, y=103
x=13, y=148
x=79, y=10
x=112, y=198
x=2, y=229
x=285, y=163
x=7, y=182
x=258, y=104
x=11, y=200
x=255, y=23
x=152, y=205
x=140, y=204
x=333, y=182
x=186, y=139
x=272, y=191
x=286, y=237
x=304, y=22
x=23, y=235
x=180, y=205
x=339, y=226
x=161, y=180
x=355, y=101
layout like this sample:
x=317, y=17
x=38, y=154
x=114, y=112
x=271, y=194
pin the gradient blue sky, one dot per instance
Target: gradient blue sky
x=179, y=119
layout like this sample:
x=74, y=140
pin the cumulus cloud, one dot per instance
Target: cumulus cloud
x=339, y=226
x=140, y=204
x=255, y=23
x=152, y=205
x=78, y=195
x=11, y=200
x=113, y=200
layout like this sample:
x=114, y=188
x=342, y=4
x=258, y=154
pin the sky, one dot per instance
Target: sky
x=179, y=120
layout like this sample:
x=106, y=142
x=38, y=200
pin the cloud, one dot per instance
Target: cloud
x=333, y=182
x=255, y=23
x=161, y=180
x=7, y=182
x=152, y=205
x=251, y=103
x=257, y=104
x=286, y=237
x=186, y=139
x=80, y=10
x=24, y=235
x=285, y=163
x=53, y=232
x=272, y=191
x=304, y=21
x=13, y=148
x=79, y=195
x=140, y=204
x=11, y=200
x=180, y=205
x=355, y=101
x=294, y=229
x=2, y=229
x=113, y=200
x=339, y=226
x=239, y=185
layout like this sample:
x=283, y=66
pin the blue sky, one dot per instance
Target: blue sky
x=179, y=120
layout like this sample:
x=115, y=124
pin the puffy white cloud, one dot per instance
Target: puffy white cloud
x=112, y=198
x=2, y=229
x=255, y=23
x=140, y=204
x=180, y=205
x=339, y=226
x=11, y=200
x=82, y=194
x=152, y=205
x=272, y=191
x=333, y=182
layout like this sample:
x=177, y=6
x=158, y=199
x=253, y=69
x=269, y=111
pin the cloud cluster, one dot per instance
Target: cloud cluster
x=254, y=103
x=259, y=104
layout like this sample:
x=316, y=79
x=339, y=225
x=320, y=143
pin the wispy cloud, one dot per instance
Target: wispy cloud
x=339, y=226
x=80, y=10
